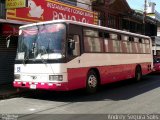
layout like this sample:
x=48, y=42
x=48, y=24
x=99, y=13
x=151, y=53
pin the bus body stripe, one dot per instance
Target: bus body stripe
x=77, y=76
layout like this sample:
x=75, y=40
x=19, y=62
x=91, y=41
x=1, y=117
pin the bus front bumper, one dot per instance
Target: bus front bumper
x=62, y=86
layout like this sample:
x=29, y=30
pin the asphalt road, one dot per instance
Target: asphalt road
x=126, y=97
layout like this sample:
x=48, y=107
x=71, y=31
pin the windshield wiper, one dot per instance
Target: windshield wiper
x=43, y=51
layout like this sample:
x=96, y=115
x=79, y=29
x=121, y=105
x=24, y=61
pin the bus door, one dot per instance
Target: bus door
x=74, y=44
x=74, y=65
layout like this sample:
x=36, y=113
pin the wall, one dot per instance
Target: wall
x=2, y=9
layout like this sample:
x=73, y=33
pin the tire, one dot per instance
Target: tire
x=138, y=73
x=91, y=82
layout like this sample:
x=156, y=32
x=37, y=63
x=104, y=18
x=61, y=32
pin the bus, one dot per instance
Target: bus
x=156, y=45
x=63, y=55
x=156, y=53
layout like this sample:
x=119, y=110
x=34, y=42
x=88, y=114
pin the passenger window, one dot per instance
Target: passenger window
x=101, y=34
x=113, y=36
x=93, y=44
x=106, y=35
x=106, y=45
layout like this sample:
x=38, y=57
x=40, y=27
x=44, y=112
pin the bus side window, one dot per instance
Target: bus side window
x=74, y=45
x=101, y=34
x=106, y=43
x=140, y=45
x=106, y=35
x=124, y=43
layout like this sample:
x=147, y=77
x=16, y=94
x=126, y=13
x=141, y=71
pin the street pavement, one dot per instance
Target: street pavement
x=8, y=91
x=126, y=97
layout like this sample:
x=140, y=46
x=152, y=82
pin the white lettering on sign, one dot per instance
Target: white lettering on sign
x=58, y=7
x=69, y=13
x=57, y=15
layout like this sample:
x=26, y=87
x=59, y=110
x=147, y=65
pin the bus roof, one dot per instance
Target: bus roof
x=85, y=25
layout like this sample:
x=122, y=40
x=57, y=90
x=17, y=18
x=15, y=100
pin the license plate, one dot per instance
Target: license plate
x=33, y=86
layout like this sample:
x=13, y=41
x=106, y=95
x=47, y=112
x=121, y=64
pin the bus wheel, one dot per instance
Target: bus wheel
x=92, y=82
x=138, y=73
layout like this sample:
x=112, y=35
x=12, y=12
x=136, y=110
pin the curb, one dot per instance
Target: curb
x=8, y=95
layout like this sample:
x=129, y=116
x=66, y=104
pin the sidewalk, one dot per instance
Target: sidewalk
x=8, y=91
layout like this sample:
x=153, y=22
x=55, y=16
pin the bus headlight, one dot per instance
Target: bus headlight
x=17, y=76
x=55, y=77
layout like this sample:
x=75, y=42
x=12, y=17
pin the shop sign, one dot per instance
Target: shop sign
x=8, y=29
x=15, y=4
x=45, y=10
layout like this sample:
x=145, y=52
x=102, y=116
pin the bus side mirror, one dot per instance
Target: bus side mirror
x=71, y=44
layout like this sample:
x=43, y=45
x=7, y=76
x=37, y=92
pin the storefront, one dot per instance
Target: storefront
x=8, y=33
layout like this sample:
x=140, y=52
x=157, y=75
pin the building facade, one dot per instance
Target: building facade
x=7, y=55
x=117, y=14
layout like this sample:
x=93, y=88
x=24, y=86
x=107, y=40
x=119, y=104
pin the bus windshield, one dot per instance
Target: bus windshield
x=41, y=42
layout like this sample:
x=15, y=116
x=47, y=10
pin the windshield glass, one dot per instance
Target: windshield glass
x=41, y=42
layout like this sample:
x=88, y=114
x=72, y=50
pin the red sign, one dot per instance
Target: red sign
x=9, y=29
x=44, y=10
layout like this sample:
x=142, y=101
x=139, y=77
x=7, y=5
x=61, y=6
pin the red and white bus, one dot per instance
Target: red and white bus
x=64, y=55
x=156, y=53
